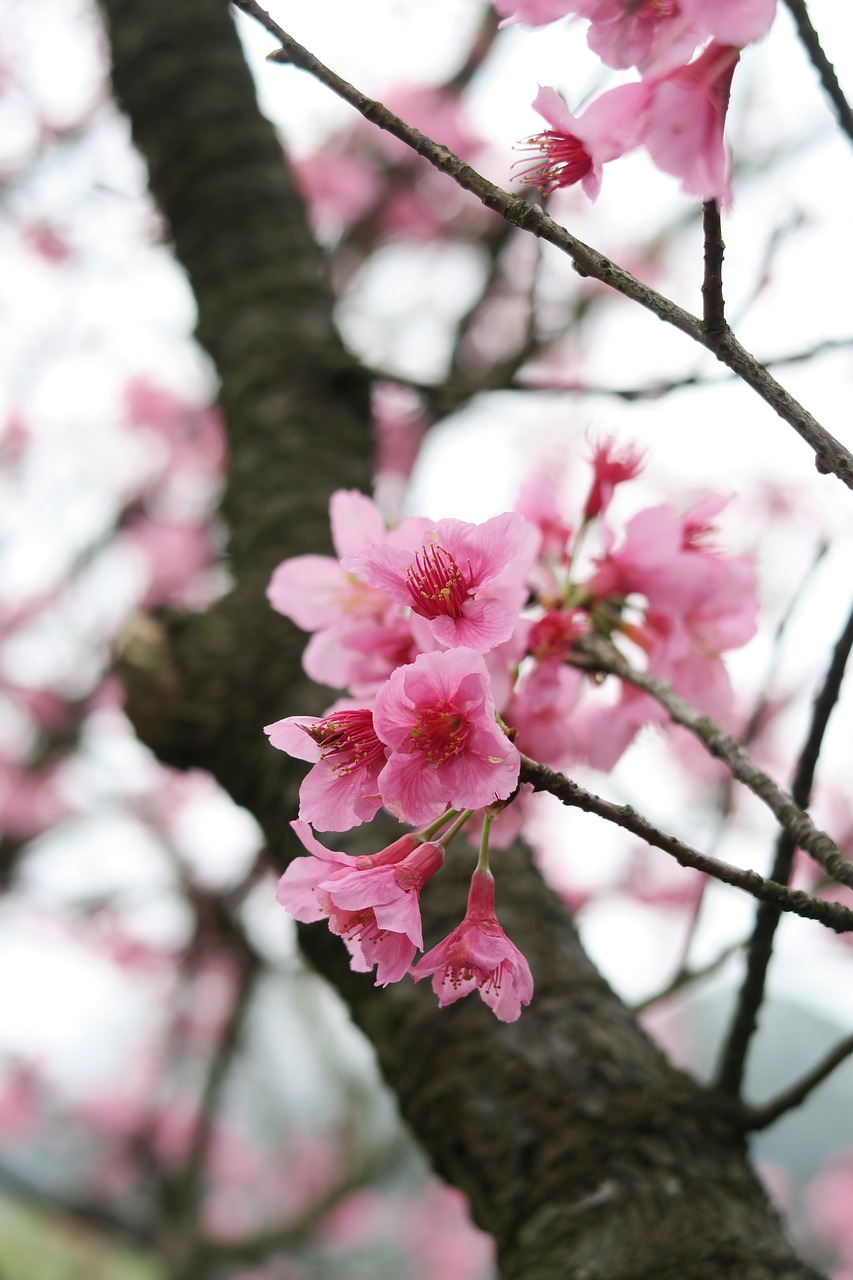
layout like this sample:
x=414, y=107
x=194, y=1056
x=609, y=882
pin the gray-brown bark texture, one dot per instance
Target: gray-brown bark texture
x=583, y=1152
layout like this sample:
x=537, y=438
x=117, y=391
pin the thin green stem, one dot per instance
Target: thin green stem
x=434, y=827
x=483, y=860
x=456, y=828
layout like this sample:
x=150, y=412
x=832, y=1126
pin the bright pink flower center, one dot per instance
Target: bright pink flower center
x=349, y=735
x=436, y=583
x=566, y=161
x=440, y=732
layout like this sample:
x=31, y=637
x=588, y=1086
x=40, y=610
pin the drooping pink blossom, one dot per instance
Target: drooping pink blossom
x=575, y=148
x=684, y=118
x=342, y=790
x=370, y=902
x=466, y=580
x=437, y=717
x=478, y=955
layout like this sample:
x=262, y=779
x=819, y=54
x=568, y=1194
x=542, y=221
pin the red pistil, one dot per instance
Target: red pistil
x=350, y=735
x=440, y=732
x=436, y=583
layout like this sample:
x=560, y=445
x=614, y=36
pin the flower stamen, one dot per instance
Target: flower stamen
x=436, y=584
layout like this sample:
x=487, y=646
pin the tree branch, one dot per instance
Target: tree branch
x=685, y=977
x=593, y=653
x=714, y=307
x=756, y=1118
x=745, y=1020
x=830, y=454
x=833, y=914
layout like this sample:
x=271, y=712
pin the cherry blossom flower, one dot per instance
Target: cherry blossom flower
x=370, y=902
x=360, y=652
x=466, y=580
x=436, y=716
x=684, y=120
x=611, y=466
x=360, y=636
x=698, y=603
x=342, y=790
x=478, y=954
x=542, y=709
x=538, y=502
x=652, y=35
x=575, y=148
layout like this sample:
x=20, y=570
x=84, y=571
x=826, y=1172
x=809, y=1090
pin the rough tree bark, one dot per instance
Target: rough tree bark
x=583, y=1152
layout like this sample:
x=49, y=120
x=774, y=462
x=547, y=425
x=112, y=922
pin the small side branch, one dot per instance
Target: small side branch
x=762, y=1117
x=686, y=977
x=745, y=1020
x=811, y=42
x=596, y=654
x=713, y=303
x=541, y=778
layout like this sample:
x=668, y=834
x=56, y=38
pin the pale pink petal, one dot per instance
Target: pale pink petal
x=289, y=735
x=306, y=590
x=483, y=625
x=356, y=522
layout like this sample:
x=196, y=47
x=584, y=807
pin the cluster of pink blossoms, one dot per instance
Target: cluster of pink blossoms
x=676, y=110
x=452, y=645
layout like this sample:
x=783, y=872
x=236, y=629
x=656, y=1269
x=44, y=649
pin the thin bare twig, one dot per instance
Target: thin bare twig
x=541, y=778
x=713, y=303
x=657, y=390
x=830, y=454
x=594, y=653
x=762, y=1117
x=685, y=977
x=811, y=41
x=745, y=1020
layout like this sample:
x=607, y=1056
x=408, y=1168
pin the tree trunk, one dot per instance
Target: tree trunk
x=582, y=1151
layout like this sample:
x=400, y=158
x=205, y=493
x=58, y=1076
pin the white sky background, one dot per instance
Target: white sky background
x=725, y=438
